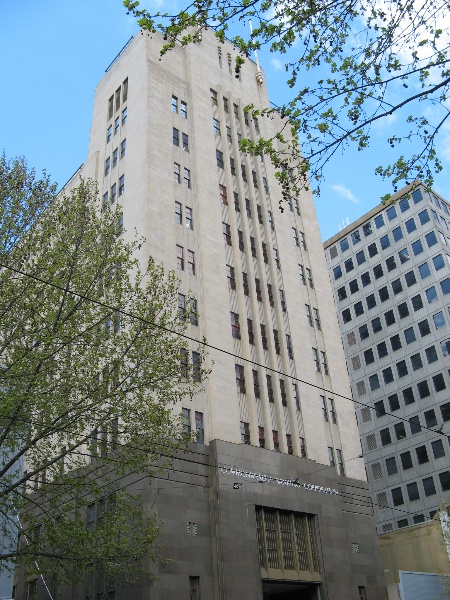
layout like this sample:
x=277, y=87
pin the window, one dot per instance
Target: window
x=397, y=287
x=391, y=466
x=183, y=110
x=269, y=388
x=116, y=125
x=363, y=331
x=404, y=255
x=245, y=433
x=348, y=264
x=403, y=310
x=270, y=294
x=258, y=290
x=385, y=437
x=389, y=317
x=186, y=178
x=337, y=272
x=356, y=237
x=422, y=455
x=223, y=195
x=445, y=347
x=390, y=263
x=245, y=283
x=263, y=336
x=282, y=300
x=372, y=249
x=213, y=97
x=438, y=262
x=200, y=432
x=175, y=136
x=277, y=259
x=107, y=166
x=316, y=359
x=219, y=159
x=431, y=354
x=391, y=213
x=431, y=239
x=244, y=173
x=428, y=486
x=346, y=315
x=191, y=262
x=394, y=403
x=416, y=362
x=424, y=328
x=430, y=418
x=342, y=293
x=324, y=408
x=174, y=104
x=295, y=236
x=241, y=241
x=417, y=302
x=105, y=202
x=404, y=204
x=193, y=313
x=331, y=457
x=308, y=315
x=423, y=389
x=354, y=287
x=178, y=213
x=283, y=393
x=270, y=218
x=400, y=431
x=439, y=382
x=438, y=449
x=216, y=127
x=445, y=286
x=189, y=218
x=424, y=217
x=251, y=336
x=109, y=134
x=124, y=116
x=289, y=347
x=255, y=179
x=382, y=350
x=397, y=496
x=406, y=460
x=235, y=327
x=276, y=341
x=368, y=356
x=260, y=216
x=176, y=173
x=110, y=107
x=332, y=410
x=365, y=279
x=439, y=320
x=256, y=388
x=226, y=233
x=410, y=278
x=402, y=369
x=397, y=234
x=385, y=242
x=410, y=225
x=240, y=379
x=388, y=376
x=344, y=245
x=413, y=491
x=374, y=382
x=180, y=258
x=444, y=479
x=185, y=139
x=376, y=325
x=115, y=157
x=378, y=271
x=414, y=424
x=396, y=343
x=371, y=302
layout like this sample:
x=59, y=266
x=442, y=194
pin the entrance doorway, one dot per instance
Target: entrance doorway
x=284, y=590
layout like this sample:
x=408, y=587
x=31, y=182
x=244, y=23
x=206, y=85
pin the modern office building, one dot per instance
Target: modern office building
x=273, y=500
x=390, y=272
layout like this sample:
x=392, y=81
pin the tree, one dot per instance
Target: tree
x=363, y=60
x=90, y=350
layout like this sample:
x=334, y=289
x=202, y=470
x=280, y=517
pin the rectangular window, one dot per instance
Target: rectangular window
x=231, y=278
x=232, y=166
x=178, y=213
x=186, y=178
x=276, y=341
x=251, y=336
x=245, y=433
x=109, y=134
x=183, y=110
x=123, y=147
x=219, y=159
x=270, y=294
x=189, y=218
x=283, y=393
x=185, y=139
x=200, y=438
x=244, y=173
x=324, y=408
x=253, y=246
x=245, y=283
x=121, y=185
x=180, y=258
x=176, y=173
x=308, y=315
x=302, y=274
x=181, y=307
x=241, y=240
x=309, y=277
x=256, y=388
x=107, y=166
x=191, y=262
x=340, y=462
x=124, y=116
x=240, y=378
x=263, y=337
x=316, y=359
x=332, y=411
x=235, y=327
x=116, y=125
x=258, y=290
x=216, y=127
x=174, y=104
x=193, y=312
x=331, y=457
x=110, y=107
x=265, y=255
x=175, y=136
x=213, y=97
x=269, y=388
x=223, y=195
x=289, y=347
x=262, y=441
x=255, y=179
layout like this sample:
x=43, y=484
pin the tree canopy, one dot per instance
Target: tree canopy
x=90, y=350
x=363, y=60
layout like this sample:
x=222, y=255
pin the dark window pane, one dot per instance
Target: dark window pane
x=410, y=225
x=428, y=486
x=390, y=263
x=385, y=436
x=384, y=242
x=374, y=382
x=417, y=247
x=365, y=279
x=367, y=229
x=359, y=309
x=337, y=272
x=403, y=310
x=363, y=332
x=346, y=315
x=417, y=195
x=424, y=270
x=413, y=491
x=430, y=418
x=410, y=336
x=372, y=249
x=406, y=460
x=445, y=286
x=422, y=455
x=376, y=325
x=444, y=479
x=388, y=376
x=371, y=302
x=424, y=217
x=394, y=403
x=396, y=342
x=382, y=349
x=360, y=257
x=402, y=368
x=431, y=239
x=391, y=213
x=344, y=245
x=403, y=255
x=404, y=204
x=410, y=278
x=342, y=293
x=423, y=389
x=379, y=221
x=353, y=285
x=438, y=449
x=391, y=466
x=389, y=317
x=397, y=234
x=431, y=295
x=439, y=382
x=414, y=424
x=445, y=411
x=417, y=302
x=408, y=396
x=356, y=237
x=424, y=328
x=400, y=431
x=368, y=356
x=431, y=354
x=380, y=411
x=397, y=286
x=397, y=496
x=348, y=264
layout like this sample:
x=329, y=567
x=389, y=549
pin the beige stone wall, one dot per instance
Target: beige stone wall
x=148, y=208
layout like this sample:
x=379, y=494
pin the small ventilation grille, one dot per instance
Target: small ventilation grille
x=355, y=548
x=382, y=501
x=351, y=338
x=333, y=252
x=366, y=414
x=191, y=528
x=387, y=527
x=371, y=442
x=356, y=362
x=377, y=473
x=361, y=388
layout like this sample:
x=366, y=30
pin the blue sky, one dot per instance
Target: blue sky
x=55, y=53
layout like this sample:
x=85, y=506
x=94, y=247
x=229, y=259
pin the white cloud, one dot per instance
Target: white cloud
x=344, y=192
x=276, y=64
